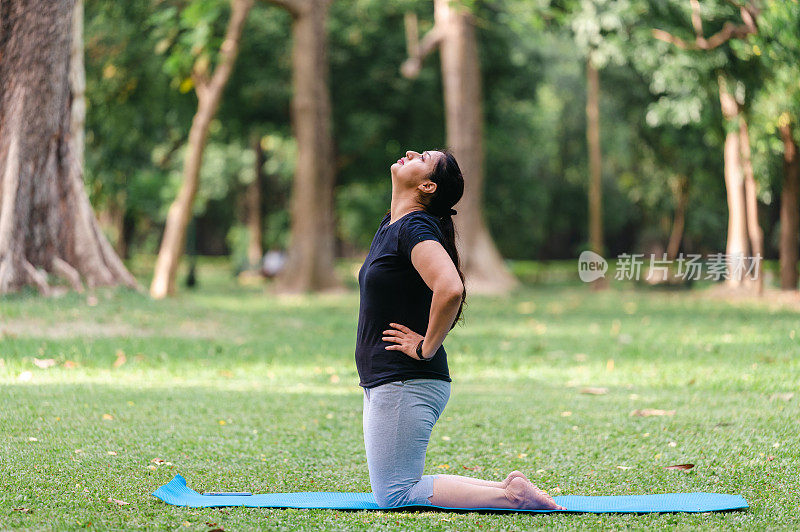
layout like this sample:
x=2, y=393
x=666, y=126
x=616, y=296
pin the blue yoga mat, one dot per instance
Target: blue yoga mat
x=176, y=492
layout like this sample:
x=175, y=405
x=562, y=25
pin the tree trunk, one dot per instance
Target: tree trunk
x=46, y=221
x=310, y=257
x=112, y=218
x=595, y=164
x=790, y=218
x=737, y=246
x=209, y=93
x=253, y=208
x=681, y=192
x=754, y=279
x=483, y=266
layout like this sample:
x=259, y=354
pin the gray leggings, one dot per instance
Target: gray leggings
x=398, y=419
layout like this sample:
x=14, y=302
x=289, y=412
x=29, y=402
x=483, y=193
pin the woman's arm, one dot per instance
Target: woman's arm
x=438, y=271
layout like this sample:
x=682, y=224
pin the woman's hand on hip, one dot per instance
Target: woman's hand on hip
x=405, y=339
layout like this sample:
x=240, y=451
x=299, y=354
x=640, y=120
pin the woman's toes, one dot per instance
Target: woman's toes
x=526, y=496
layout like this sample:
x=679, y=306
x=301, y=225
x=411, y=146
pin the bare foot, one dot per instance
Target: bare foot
x=512, y=475
x=525, y=496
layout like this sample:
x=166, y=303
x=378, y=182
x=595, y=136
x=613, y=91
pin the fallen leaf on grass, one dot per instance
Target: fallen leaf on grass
x=473, y=468
x=44, y=363
x=31, y=438
x=647, y=412
x=681, y=467
x=594, y=391
x=443, y=466
x=623, y=467
x=121, y=358
x=112, y=453
x=108, y=417
x=113, y=500
x=69, y=364
x=23, y=510
x=783, y=396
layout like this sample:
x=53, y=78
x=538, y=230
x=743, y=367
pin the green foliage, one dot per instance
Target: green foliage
x=660, y=116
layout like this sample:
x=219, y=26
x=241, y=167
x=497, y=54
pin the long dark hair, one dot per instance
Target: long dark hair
x=449, y=189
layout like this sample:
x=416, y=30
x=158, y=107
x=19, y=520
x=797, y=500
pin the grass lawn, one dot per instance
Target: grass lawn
x=238, y=390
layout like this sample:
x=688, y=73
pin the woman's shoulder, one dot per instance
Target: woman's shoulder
x=424, y=218
x=421, y=217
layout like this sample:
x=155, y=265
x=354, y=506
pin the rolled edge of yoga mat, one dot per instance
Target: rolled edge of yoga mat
x=177, y=493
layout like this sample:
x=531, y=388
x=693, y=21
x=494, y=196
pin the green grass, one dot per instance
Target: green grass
x=239, y=390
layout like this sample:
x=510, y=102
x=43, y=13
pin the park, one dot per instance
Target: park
x=400, y=250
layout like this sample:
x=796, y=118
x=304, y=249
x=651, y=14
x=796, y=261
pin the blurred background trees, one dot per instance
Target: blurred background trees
x=625, y=126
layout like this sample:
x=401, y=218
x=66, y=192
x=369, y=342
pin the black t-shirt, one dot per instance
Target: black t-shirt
x=392, y=291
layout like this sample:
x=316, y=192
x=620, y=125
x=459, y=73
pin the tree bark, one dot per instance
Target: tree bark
x=46, y=221
x=790, y=217
x=737, y=242
x=755, y=280
x=454, y=34
x=209, y=93
x=681, y=193
x=255, y=250
x=595, y=164
x=310, y=257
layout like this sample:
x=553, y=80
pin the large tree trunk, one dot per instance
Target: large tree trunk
x=737, y=244
x=46, y=221
x=790, y=217
x=595, y=164
x=255, y=250
x=454, y=34
x=310, y=258
x=483, y=266
x=209, y=93
x=754, y=277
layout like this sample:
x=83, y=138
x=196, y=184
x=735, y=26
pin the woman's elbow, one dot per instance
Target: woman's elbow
x=451, y=291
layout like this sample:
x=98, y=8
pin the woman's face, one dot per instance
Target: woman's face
x=414, y=168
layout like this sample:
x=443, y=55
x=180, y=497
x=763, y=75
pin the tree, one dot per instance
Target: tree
x=46, y=221
x=776, y=110
x=596, y=27
x=454, y=34
x=744, y=231
x=209, y=90
x=310, y=258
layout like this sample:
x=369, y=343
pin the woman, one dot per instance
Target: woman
x=411, y=283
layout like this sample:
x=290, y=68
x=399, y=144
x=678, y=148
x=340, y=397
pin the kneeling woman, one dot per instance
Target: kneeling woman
x=409, y=283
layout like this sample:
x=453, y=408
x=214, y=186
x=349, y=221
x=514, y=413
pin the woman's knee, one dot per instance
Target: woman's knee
x=411, y=493
x=388, y=497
